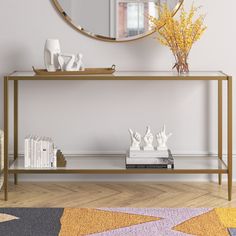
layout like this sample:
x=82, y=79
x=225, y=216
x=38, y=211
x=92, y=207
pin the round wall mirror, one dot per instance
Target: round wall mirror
x=113, y=20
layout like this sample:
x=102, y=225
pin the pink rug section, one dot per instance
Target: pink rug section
x=170, y=217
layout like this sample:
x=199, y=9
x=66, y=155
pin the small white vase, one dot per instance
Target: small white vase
x=51, y=51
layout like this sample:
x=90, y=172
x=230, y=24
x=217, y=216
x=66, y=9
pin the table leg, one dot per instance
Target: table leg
x=230, y=136
x=15, y=124
x=220, y=121
x=6, y=138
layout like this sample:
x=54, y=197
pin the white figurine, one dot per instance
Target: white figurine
x=148, y=140
x=70, y=62
x=51, y=51
x=135, y=140
x=80, y=64
x=162, y=139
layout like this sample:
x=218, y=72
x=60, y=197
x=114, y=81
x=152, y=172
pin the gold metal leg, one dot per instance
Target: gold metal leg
x=220, y=121
x=6, y=138
x=230, y=136
x=15, y=125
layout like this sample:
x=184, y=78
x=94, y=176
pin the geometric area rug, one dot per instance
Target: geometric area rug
x=117, y=221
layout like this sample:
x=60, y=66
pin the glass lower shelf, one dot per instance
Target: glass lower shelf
x=116, y=165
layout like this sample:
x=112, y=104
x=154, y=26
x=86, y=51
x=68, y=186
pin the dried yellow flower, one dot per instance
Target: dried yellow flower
x=178, y=34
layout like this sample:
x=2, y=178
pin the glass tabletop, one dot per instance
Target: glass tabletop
x=119, y=74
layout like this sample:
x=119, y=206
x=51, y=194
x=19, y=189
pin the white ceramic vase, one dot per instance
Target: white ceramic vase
x=51, y=51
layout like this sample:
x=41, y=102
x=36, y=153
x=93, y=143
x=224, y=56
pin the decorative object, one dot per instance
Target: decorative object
x=148, y=140
x=86, y=71
x=74, y=63
x=135, y=140
x=51, y=51
x=118, y=221
x=147, y=156
x=179, y=34
x=61, y=161
x=162, y=139
x=113, y=20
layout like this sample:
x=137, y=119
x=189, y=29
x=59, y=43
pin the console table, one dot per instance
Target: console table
x=117, y=165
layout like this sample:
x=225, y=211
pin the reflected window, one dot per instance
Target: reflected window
x=133, y=17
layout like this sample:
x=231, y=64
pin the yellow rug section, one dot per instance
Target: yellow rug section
x=76, y=222
x=227, y=216
x=207, y=224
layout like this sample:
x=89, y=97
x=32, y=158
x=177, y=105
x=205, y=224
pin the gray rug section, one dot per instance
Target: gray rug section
x=232, y=231
x=32, y=222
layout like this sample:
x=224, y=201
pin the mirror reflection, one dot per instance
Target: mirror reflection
x=114, y=19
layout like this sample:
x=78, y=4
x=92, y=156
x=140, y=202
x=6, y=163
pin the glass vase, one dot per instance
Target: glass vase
x=181, y=65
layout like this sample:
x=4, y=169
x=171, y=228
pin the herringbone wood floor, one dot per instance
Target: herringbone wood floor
x=133, y=194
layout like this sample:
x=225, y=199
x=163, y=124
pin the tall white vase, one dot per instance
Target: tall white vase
x=51, y=51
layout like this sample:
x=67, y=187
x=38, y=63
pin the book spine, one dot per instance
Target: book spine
x=26, y=153
x=44, y=149
x=38, y=153
x=145, y=161
x=32, y=151
x=48, y=152
x=35, y=153
x=54, y=158
x=129, y=166
x=51, y=153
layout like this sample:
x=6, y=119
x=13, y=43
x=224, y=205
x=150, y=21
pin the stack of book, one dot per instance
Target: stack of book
x=149, y=159
x=40, y=152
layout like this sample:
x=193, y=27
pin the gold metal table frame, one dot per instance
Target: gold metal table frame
x=135, y=75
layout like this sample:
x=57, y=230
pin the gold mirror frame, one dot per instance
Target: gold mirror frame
x=101, y=37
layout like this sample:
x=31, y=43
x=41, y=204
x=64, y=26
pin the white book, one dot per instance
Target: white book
x=26, y=152
x=148, y=154
x=48, y=152
x=44, y=152
x=31, y=151
x=48, y=141
x=34, y=151
x=54, y=163
x=51, y=152
x=41, y=151
x=38, y=152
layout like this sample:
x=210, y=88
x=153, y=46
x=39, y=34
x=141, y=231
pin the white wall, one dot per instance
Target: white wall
x=88, y=116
